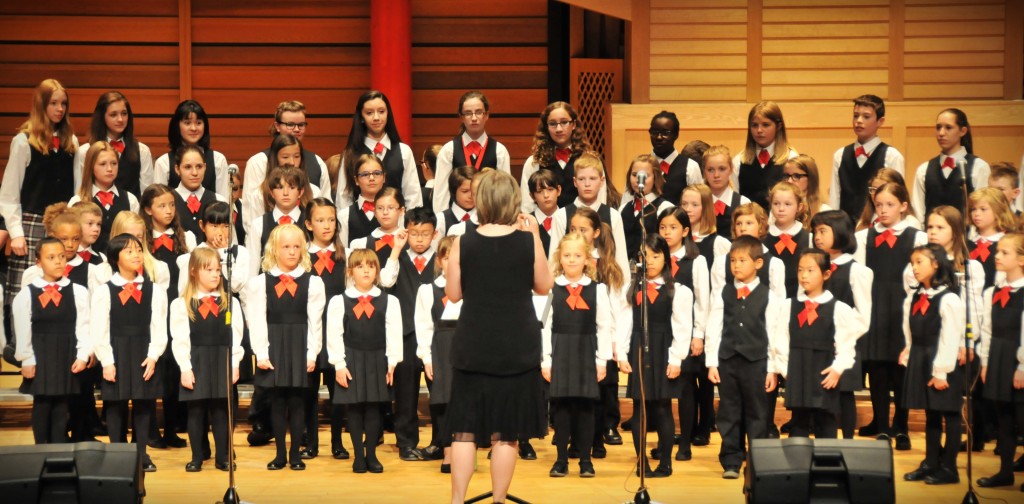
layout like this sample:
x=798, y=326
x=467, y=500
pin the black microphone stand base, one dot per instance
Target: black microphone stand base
x=231, y=497
x=642, y=497
x=970, y=498
x=488, y=495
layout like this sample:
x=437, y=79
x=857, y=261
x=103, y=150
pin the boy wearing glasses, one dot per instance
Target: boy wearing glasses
x=680, y=171
x=856, y=164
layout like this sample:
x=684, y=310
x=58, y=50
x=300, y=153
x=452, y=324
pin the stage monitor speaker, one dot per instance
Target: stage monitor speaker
x=70, y=473
x=797, y=470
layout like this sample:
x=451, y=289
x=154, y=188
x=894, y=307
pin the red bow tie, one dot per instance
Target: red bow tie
x=860, y=152
x=652, y=293
x=921, y=306
x=1002, y=296
x=368, y=206
x=284, y=220
x=285, y=283
x=364, y=306
x=56, y=143
x=85, y=255
x=981, y=249
x=664, y=166
x=209, y=305
x=193, y=203
x=563, y=155
x=386, y=240
x=719, y=208
x=379, y=148
x=130, y=291
x=68, y=269
x=575, y=301
x=164, y=241
x=324, y=261
x=118, y=145
x=675, y=266
x=547, y=223
x=742, y=292
x=465, y=217
x=638, y=204
x=444, y=301
x=106, y=198
x=420, y=262
x=833, y=267
x=51, y=294
x=809, y=314
x=949, y=163
x=785, y=243
x=887, y=237
x=474, y=148
x=763, y=157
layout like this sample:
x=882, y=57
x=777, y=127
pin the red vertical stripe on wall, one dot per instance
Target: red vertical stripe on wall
x=391, y=58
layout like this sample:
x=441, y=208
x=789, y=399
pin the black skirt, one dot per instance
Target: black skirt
x=209, y=366
x=573, y=367
x=502, y=407
x=1002, y=364
x=287, y=355
x=803, y=383
x=657, y=386
x=852, y=380
x=441, y=358
x=369, y=369
x=128, y=356
x=55, y=353
x=916, y=392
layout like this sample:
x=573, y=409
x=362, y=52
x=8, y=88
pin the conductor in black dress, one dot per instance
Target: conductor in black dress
x=496, y=387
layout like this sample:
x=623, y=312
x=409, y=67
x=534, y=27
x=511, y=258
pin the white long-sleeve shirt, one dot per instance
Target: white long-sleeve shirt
x=162, y=169
x=252, y=183
x=336, y=328
x=444, y=168
x=424, y=319
x=713, y=335
x=893, y=160
x=776, y=274
x=701, y=291
x=605, y=323
x=145, y=165
x=101, y=323
x=861, y=280
x=21, y=323
x=849, y=326
x=256, y=313
x=682, y=325
x=979, y=178
x=239, y=269
x=984, y=349
x=951, y=335
x=560, y=223
x=181, y=343
x=14, y=175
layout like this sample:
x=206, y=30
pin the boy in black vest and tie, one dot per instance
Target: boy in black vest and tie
x=740, y=354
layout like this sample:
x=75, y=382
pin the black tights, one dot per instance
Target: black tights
x=687, y=407
x=313, y=411
x=1008, y=416
x=661, y=412
x=197, y=424
x=805, y=420
x=364, y=419
x=49, y=419
x=573, y=416
x=887, y=377
x=847, y=414
x=287, y=412
x=117, y=417
x=441, y=437
x=933, y=448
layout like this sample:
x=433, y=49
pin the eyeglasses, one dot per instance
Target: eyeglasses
x=792, y=177
x=421, y=235
x=871, y=190
x=368, y=174
x=560, y=124
x=386, y=209
x=292, y=126
x=660, y=133
x=469, y=114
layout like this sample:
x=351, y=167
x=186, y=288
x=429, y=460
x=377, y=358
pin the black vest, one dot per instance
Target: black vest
x=269, y=224
x=80, y=274
x=756, y=181
x=1006, y=320
x=212, y=331
x=989, y=262
x=209, y=177
x=821, y=335
x=604, y=212
x=545, y=235
x=707, y=249
x=631, y=223
x=383, y=253
x=723, y=223
x=190, y=221
x=437, y=309
x=309, y=162
x=170, y=258
x=490, y=155
x=287, y=309
x=48, y=179
x=675, y=181
x=839, y=283
x=54, y=319
x=358, y=225
x=568, y=321
x=408, y=285
x=131, y=320
x=129, y=166
x=888, y=264
x=789, y=260
x=744, y=328
x=120, y=204
x=366, y=333
x=334, y=281
x=925, y=328
x=853, y=179
x=394, y=167
x=450, y=219
x=239, y=225
x=565, y=177
x=939, y=190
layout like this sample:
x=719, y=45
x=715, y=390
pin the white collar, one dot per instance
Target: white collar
x=584, y=280
x=314, y=248
x=185, y=193
x=992, y=238
x=459, y=212
x=1014, y=285
x=822, y=298
x=595, y=206
x=869, y=146
x=113, y=188
x=40, y=282
x=770, y=149
x=76, y=261
x=957, y=156
x=671, y=158
x=169, y=232
x=751, y=286
x=353, y=292
x=360, y=200
x=792, y=230
x=681, y=253
x=930, y=292
x=540, y=215
x=276, y=271
x=896, y=228
x=200, y=294
x=726, y=196
x=441, y=281
x=378, y=233
x=371, y=143
x=295, y=214
x=482, y=140
x=427, y=254
x=659, y=281
x=120, y=281
x=842, y=259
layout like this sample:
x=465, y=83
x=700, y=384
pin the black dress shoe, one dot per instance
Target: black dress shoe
x=918, y=474
x=773, y=432
x=998, y=480
x=559, y=469
x=979, y=446
x=902, y=442
x=432, y=452
x=612, y=437
x=648, y=471
x=359, y=466
x=298, y=465
x=574, y=453
x=942, y=476
x=174, y=441
x=700, y=440
x=1018, y=465
x=446, y=468
x=526, y=451
x=663, y=471
x=157, y=443
x=307, y=454
x=194, y=466
x=656, y=453
x=884, y=437
x=374, y=466
x=276, y=465
x=223, y=466
x=587, y=469
x=599, y=452
x=148, y=466
x=410, y=454
x=627, y=425
x=869, y=430
x=260, y=436
x=683, y=456
x=340, y=453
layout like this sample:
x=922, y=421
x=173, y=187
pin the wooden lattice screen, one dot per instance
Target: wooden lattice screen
x=595, y=84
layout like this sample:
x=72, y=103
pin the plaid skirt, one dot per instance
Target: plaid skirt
x=34, y=232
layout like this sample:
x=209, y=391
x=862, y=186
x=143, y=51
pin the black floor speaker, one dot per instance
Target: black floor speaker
x=89, y=472
x=820, y=471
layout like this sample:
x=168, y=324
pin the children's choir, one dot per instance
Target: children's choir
x=753, y=280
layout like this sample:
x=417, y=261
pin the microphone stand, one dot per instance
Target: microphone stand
x=231, y=495
x=642, y=496
x=970, y=497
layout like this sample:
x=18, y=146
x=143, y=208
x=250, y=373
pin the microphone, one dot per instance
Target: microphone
x=232, y=169
x=641, y=181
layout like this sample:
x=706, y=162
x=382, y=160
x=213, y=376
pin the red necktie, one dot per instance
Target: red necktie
x=465, y=217
x=547, y=223
x=386, y=240
x=652, y=293
x=420, y=263
x=675, y=266
x=1002, y=296
x=764, y=157
x=921, y=305
x=785, y=243
x=887, y=237
x=85, y=255
x=324, y=262
x=638, y=204
x=742, y=292
x=209, y=305
x=193, y=203
x=68, y=269
x=164, y=241
x=106, y=198
x=860, y=152
x=719, y=208
x=949, y=163
x=575, y=300
x=378, y=149
x=562, y=155
x=368, y=206
x=981, y=249
x=51, y=294
x=664, y=167
x=284, y=220
x=474, y=149
x=130, y=291
x=364, y=306
x=118, y=145
x=809, y=315
x=56, y=143
x=285, y=283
